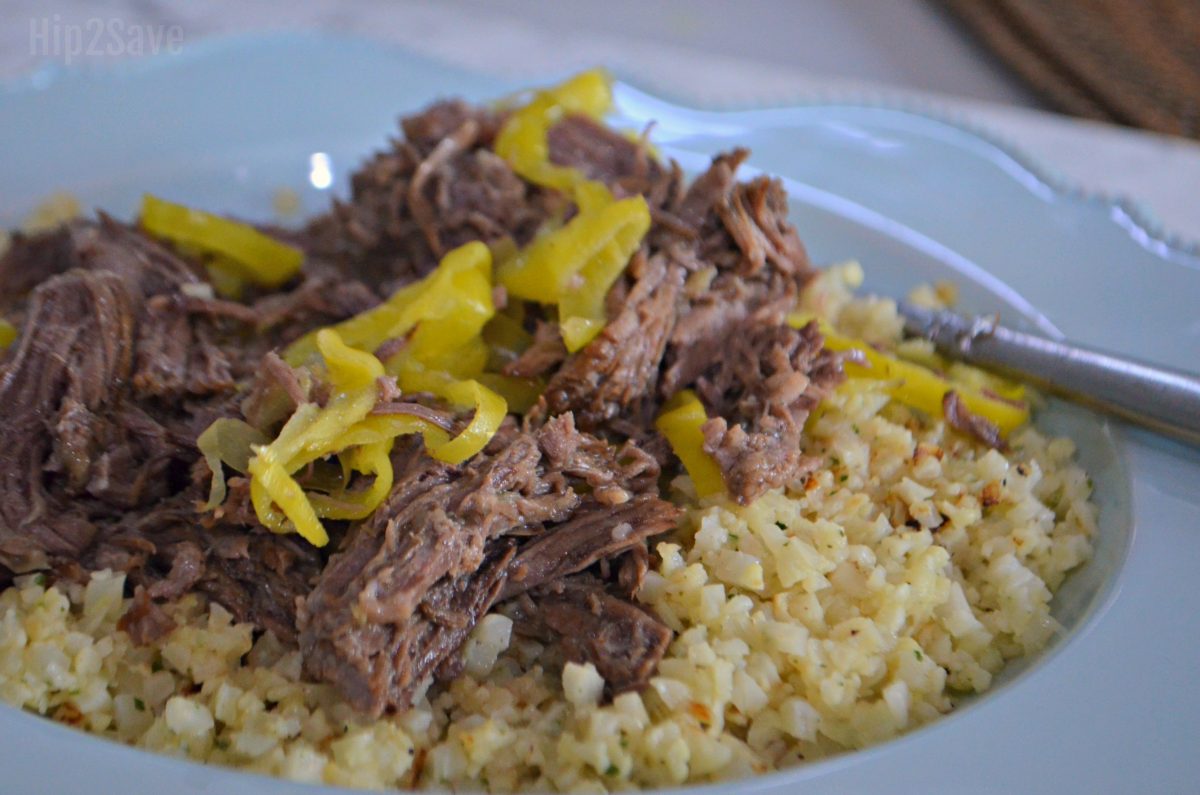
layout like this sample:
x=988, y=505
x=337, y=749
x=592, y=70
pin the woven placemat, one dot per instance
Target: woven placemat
x=1133, y=62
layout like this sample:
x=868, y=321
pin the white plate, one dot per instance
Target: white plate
x=1112, y=706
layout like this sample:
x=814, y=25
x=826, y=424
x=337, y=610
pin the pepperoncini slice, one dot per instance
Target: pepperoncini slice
x=506, y=337
x=241, y=250
x=920, y=351
x=490, y=410
x=576, y=265
x=368, y=459
x=454, y=302
x=226, y=279
x=914, y=385
x=311, y=433
x=681, y=422
x=227, y=441
x=362, y=441
x=8, y=333
x=519, y=393
x=522, y=139
x=581, y=305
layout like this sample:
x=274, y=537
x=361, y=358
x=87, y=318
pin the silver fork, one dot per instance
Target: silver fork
x=1162, y=399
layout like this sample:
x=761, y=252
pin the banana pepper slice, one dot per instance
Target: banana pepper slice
x=345, y=427
x=8, y=333
x=448, y=309
x=681, y=422
x=576, y=265
x=916, y=386
x=522, y=139
x=241, y=252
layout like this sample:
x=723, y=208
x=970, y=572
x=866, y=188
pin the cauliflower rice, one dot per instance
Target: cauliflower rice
x=896, y=582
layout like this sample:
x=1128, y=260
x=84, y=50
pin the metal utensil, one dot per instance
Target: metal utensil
x=1162, y=399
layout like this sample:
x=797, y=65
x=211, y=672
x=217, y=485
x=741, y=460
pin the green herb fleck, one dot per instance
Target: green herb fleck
x=611, y=771
x=780, y=525
x=40, y=580
x=918, y=655
x=854, y=427
x=139, y=704
x=624, y=742
x=734, y=536
x=843, y=478
x=156, y=666
x=1091, y=485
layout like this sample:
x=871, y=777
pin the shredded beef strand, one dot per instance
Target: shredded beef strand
x=145, y=621
x=624, y=641
x=963, y=420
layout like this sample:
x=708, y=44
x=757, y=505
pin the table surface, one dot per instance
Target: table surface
x=703, y=51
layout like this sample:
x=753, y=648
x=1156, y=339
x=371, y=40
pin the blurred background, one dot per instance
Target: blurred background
x=1010, y=66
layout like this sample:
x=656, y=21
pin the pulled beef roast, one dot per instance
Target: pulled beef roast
x=618, y=370
x=961, y=419
x=118, y=368
x=435, y=189
x=765, y=379
x=703, y=306
x=124, y=356
x=407, y=585
x=621, y=639
x=87, y=437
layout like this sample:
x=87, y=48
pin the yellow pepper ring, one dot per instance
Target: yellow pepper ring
x=8, y=333
x=362, y=441
x=240, y=247
x=575, y=266
x=681, y=422
x=457, y=294
x=914, y=385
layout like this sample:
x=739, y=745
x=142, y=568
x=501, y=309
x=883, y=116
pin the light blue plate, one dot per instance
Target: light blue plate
x=1112, y=706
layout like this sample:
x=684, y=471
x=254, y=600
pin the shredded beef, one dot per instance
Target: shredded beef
x=372, y=603
x=78, y=339
x=145, y=621
x=706, y=310
x=30, y=260
x=544, y=354
x=596, y=532
x=963, y=420
x=319, y=300
x=94, y=405
x=255, y=574
x=603, y=154
x=115, y=373
x=439, y=187
x=761, y=388
x=617, y=370
x=624, y=641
